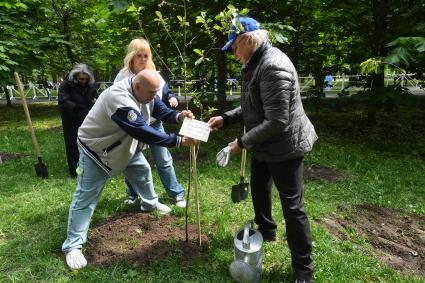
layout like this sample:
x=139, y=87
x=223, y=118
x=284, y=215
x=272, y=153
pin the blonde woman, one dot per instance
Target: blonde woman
x=138, y=58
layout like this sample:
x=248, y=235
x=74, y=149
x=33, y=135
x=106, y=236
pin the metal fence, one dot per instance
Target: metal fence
x=332, y=84
x=31, y=90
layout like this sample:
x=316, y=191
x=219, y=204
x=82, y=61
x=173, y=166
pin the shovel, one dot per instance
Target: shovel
x=40, y=168
x=240, y=191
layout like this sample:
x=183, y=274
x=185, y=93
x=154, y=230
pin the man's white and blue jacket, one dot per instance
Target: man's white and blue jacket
x=117, y=122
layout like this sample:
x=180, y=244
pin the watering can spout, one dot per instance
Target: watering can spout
x=246, y=244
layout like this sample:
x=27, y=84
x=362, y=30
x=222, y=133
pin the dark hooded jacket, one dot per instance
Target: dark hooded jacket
x=271, y=108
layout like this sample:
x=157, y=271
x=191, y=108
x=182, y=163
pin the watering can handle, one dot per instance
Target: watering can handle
x=245, y=240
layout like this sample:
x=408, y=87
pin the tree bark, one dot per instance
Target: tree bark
x=8, y=102
x=222, y=74
x=222, y=71
x=66, y=17
x=380, y=14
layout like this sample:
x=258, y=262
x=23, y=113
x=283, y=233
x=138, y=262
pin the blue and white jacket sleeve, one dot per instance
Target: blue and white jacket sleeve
x=163, y=113
x=133, y=123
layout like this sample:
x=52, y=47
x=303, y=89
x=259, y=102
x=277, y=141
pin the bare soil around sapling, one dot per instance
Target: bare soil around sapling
x=398, y=238
x=141, y=239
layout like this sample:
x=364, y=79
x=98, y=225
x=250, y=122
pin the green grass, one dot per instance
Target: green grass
x=382, y=165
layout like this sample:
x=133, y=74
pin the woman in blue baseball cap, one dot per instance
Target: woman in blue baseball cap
x=278, y=132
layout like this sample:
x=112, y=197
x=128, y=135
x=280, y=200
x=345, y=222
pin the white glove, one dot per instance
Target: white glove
x=223, y=156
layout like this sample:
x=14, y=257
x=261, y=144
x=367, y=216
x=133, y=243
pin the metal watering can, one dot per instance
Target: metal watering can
x=247, y=264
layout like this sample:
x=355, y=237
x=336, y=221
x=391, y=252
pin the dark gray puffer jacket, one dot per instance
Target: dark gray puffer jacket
x=277, y=126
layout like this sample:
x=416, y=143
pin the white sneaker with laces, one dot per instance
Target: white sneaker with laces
x=162, y=208
x=130, y=200
x=75, y=259
x=180, y=201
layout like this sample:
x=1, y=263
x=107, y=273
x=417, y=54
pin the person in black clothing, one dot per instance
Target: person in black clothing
x=76, y=96
x=279, y=134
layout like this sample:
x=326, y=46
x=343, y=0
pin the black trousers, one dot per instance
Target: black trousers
x=70, y=125
x=288, y=178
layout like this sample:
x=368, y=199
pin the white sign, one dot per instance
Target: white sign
x=195, y=129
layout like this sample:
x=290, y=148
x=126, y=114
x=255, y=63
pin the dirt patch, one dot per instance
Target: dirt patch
x=139, y=238
x=398, y=237
x=9, y=156
x=315, y=173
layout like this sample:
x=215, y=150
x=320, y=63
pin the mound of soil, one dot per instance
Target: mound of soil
x=398, y=237
x=139, y=238
x=9, y=156
x=315, y=173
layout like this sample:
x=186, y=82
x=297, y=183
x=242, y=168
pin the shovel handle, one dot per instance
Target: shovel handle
x=27, y=115
x=243, y=160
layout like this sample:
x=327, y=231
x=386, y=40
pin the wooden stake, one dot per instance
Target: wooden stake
x=188, y=198
x=195, y=187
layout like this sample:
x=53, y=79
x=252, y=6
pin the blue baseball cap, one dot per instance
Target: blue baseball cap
x=240, y=26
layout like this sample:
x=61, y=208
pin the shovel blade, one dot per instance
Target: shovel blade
x=41, y=170
x=240, y=192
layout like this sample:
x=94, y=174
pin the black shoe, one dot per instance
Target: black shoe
x=303, y=281
x=268, y=236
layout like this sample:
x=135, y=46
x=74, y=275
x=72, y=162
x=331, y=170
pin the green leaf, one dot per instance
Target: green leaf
x=370, y=65
x=199, y=51
x=280, y=38
x=398, y=55
x=420, y=44
x=158, y=14
x=244, y=11
x=132, y=8
x=180, y=18
x=199, y=20
x=4, y=68
x=21, y=5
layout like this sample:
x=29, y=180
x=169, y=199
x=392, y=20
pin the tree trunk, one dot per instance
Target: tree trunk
x=8, y=102
x=165, y=73
x=295, y=43
x=67, y=35
x=380, y=13
x=222, y=74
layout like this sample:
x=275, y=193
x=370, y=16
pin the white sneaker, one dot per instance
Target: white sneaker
x=180, y=201
x=131, y=200
x=75, y=259
x=162, y=208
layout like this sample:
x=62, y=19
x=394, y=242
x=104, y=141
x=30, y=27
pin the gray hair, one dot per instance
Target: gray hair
x=254, y=38
x=81, y=68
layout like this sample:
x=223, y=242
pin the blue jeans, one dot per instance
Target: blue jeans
x=164, y=164
x=90, y=183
